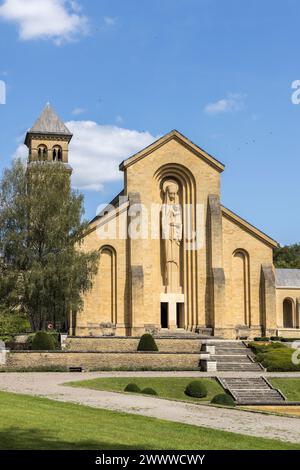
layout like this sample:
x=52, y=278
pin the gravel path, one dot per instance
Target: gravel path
x=49, y=385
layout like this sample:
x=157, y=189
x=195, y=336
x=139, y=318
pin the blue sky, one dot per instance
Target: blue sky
x=219, y=72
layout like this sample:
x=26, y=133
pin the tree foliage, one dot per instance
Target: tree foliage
x=43, y=271
x=287, y=256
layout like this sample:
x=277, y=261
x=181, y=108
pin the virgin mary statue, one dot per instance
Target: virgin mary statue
x=172, y=235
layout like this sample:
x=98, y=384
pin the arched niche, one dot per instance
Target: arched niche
x=187, y=198
x=288, y=313
x=108, y=285
x=241, y=288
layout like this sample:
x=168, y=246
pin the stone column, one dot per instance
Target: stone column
x=136, y=270
x=298, y=312
x=269, y=300
x=217, y=275
x=137, y=300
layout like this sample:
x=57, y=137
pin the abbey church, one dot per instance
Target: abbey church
x=172, y=257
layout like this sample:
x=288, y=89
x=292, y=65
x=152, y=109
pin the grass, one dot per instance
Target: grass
x=38, y=423
x=171, y=388
x=289, y=387
x=275, y=357
x=293, y=411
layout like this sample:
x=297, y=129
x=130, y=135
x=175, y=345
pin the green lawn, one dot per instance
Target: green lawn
x=166, y=387
x=289, y=387
x=38, y=423
x=275, y=357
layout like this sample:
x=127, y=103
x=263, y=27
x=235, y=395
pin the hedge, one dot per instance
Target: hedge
x=196, y=389
x=42, y=341
x=147, y=343
x=223, y=399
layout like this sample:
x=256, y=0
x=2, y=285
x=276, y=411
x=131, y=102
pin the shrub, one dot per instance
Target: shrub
x=196, y=389
x=276, y=338
x=223, y=399
x=6, y=338
x=149, y=391
x=147, y=343
x=29, y=340
x=275, y=357
x=55, y=335
x=133, y=388
x=262, y=348
x=42, y=342
x=12, y=322
x=262, y=338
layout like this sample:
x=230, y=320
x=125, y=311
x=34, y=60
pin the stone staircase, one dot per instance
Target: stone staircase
x=234, y=356
x=252, y=391
x=179, y=333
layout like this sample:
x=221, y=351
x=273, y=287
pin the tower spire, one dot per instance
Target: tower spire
x=48, y=139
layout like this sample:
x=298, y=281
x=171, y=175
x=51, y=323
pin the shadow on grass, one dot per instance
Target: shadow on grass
x=36, y=439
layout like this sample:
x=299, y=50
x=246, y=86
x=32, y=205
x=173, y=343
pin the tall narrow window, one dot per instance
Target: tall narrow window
x=288, y=308
x=42, y=153
x=57, y=153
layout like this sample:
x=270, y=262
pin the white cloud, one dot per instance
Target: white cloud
x=119, y=119
x=58, y=20
x=78, y=111
x=96, y=151
x=110, y=21
x=232, y=102
x=21, y=152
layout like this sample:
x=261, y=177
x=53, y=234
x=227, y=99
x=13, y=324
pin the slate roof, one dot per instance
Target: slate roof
x=287, y=278
x=49, y=123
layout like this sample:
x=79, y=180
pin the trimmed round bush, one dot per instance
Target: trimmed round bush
x=223, y=399
x=149, y=391
x=42, y=341
x=133, y=388
x=196, y=389
x=147, y=343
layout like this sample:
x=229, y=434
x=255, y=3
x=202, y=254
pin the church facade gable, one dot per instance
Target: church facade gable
x=171, y=257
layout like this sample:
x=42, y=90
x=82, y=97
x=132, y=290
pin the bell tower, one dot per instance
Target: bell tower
x=48, y=140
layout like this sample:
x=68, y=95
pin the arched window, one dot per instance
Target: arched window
x=57, y=153
x=42, y=153
x=288, y=313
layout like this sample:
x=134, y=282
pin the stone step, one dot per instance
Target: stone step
x=249, y=393
x=232, y=351
x=247, y=387
x=232, y=359
x=238, y=367
x=252, y=391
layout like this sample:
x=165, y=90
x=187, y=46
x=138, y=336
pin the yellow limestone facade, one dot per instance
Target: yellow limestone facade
x=171, y=256
x=221, y=281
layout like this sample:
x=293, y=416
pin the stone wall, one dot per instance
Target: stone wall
x=103, y=361
x=130, y=344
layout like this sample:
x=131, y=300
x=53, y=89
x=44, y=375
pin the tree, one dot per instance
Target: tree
x=43, y=270
x=287, y=256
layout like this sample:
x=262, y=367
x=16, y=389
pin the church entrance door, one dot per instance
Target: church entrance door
x=164, y=314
